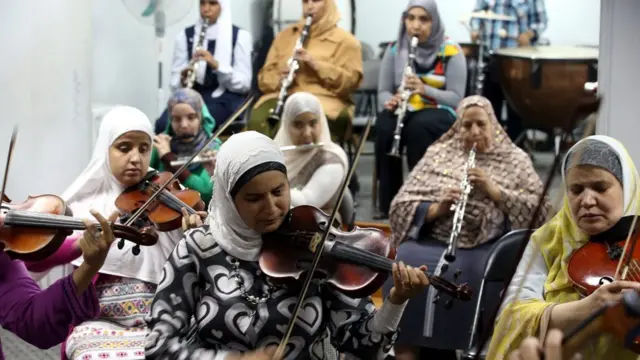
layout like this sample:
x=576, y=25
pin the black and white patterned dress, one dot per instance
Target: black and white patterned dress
x=198, y=280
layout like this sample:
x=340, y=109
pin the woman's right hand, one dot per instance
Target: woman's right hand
x=607, y=293
x=259, y=354
x=393, y=103
x=450, y=197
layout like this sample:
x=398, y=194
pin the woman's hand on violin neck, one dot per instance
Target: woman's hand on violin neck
x=94, y=243
x=407, y=282
x=192, y=221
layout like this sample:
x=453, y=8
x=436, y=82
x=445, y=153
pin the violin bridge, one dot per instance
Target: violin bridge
x=315, y=241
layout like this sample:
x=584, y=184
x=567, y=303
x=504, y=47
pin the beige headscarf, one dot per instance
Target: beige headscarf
x=328, y=21
x=299, y=103
x=443, y=165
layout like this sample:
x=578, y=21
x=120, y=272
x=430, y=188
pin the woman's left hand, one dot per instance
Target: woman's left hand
x=407, y=282
x=480, y=180
x=531, y=349
x=415, y=84
x=192, y=221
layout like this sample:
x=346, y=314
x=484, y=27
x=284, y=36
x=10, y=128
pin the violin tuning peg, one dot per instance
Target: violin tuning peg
x=121, y=244
x=435, y=301
x=136, y=250
x=444, y=268
x=448, y=304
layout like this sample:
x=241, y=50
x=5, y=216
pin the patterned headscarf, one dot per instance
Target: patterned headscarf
x=596, y=153
x=443, y=166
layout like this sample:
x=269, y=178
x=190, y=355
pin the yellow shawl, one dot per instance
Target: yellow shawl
x=557, y=240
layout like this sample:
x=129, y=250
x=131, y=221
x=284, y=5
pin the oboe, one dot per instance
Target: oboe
x=401, y=111
x=459, y=207
x=193, y=67
x=294, y=65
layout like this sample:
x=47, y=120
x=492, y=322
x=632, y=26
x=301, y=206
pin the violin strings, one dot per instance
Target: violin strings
x=633, y=266
x=171, y=200
x=365, y=257
x=26, y=218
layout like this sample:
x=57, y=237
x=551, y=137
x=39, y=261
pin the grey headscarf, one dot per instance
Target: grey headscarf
x=427, y=52
x=596, y=153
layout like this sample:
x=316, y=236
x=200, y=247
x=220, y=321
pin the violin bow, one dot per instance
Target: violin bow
x=12, y=144
x=585, y=107
x=321, y=243
x=177, y=173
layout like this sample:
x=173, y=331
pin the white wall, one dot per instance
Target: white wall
x=571, y=22
x=618, y=74
x=46, y=88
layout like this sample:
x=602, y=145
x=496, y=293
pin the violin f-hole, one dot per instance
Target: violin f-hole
x=605, y=280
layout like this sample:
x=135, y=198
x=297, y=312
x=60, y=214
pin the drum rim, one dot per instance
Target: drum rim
x=535, y=57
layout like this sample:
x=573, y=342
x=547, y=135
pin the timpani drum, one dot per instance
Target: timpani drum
x=544, y=84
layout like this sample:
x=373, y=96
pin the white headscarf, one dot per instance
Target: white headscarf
x=222, y=32
x=96, y=188
x=299, y=103
x=240, y=153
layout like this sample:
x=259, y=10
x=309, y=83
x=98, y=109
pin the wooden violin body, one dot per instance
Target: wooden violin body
x=35, y=229
x=165, y=212
x=286, y=256
x=33, y=244
x=356, y=262
x=595, y=264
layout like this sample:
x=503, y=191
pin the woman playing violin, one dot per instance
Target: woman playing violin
x=190, y=126
x=214, y=276
x=600, y=183
x=315, y=175
x=504, y=194
x=127, y=282
x=42, y=317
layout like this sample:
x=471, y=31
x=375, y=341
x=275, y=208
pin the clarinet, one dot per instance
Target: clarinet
x=294, y=65
x=401, y=111
x=193, y=67
x=459, y=207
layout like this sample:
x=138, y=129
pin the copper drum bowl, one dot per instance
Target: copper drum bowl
x=545, y=84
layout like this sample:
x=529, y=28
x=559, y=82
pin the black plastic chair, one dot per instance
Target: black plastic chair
x=502, y=260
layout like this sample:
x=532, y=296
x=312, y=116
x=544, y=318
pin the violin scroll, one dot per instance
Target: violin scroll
x=460, y=292
x=141, y=237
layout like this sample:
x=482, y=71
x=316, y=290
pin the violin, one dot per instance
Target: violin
x=357, y=262
x=36, y=228
x=597, y=263
x=620, y=319
x=165, y=212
